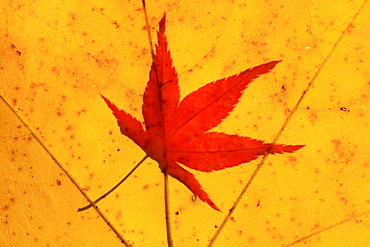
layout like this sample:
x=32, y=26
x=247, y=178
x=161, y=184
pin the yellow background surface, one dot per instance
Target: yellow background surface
x=59, y=141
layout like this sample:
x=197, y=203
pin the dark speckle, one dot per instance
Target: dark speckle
x=60, y=112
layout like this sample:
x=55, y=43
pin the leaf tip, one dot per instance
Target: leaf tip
x=162, y=23
x=110, y=104
x=105, y=99
x=215, y=207
x=272, y=64
x=285, y=148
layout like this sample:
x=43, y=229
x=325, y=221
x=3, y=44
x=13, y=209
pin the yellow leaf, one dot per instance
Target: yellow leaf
x=60, y=143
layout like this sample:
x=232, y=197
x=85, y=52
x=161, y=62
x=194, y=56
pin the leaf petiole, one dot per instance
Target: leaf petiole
x=93, y=204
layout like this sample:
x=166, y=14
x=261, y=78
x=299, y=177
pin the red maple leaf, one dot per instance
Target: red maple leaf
x=178, y=132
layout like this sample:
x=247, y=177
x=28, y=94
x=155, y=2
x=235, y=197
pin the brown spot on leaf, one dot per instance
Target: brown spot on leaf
x=119, y=215
x=60, y=112
x=337, y=144
x=292, y=159
x=251, y=240
x=86, y=188
x=313, y=117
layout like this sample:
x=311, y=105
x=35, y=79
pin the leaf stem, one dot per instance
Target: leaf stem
x=166, y=186
x=167, y=209
x=148, y=30
x=93, y=204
